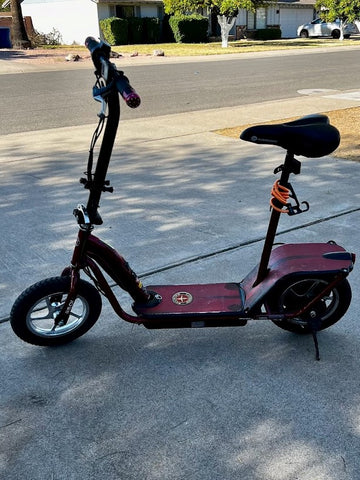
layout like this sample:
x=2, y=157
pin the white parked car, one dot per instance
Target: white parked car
x=320, y=28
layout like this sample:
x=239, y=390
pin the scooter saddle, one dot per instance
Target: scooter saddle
x=309, y=136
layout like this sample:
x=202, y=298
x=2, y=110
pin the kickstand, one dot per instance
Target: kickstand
x=316, y=343
x=313, y=324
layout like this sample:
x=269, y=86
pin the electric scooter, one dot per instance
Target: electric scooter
x=302, y=287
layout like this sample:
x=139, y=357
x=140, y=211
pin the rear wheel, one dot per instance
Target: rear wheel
x=335, y=33
x=296, y=294
x=33, y=315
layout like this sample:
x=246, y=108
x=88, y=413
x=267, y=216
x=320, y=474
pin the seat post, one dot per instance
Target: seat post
x=291, y=165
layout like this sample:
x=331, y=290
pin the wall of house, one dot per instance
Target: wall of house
x=74, y=19
x=107, y=10
x=286, y=17
x=103, y=11
x=273, y=15
x=149, y=11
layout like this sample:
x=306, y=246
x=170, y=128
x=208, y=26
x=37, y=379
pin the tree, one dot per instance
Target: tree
x=19, y=38
x=226, y=11
x=346, y=11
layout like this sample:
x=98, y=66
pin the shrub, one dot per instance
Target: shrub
x=53, y=38
x=151, y=29
x=115, y=30
x=267, y=34
x=136, y=32
x=189, y=28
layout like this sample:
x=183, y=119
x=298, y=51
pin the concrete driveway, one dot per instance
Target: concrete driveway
x=126, y=403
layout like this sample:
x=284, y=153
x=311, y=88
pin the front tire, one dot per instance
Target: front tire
x=335, y=34
x=296, y=294
x=33, y=314
x=304, y=34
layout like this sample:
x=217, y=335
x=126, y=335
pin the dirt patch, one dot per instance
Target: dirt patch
x=345, y=120
x=40, y=56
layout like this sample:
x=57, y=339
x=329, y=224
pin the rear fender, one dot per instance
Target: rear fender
x=315, y=260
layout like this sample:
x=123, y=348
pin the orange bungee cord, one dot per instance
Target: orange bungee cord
x=282, y=194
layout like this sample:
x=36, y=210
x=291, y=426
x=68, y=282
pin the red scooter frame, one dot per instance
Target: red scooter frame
x=300, y=287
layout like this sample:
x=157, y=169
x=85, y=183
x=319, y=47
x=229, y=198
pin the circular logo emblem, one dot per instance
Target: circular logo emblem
x=182, y=298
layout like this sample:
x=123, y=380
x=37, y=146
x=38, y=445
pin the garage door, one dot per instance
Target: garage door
x=291, y=18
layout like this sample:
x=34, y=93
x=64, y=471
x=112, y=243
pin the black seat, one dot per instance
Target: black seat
x=310, y=136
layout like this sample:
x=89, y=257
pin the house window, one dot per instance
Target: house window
x=160, y=12
x=261, y=18
x=251, y=21
x=122, y=11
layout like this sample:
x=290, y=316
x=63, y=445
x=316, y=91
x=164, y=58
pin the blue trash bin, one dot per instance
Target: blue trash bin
x=5, y=37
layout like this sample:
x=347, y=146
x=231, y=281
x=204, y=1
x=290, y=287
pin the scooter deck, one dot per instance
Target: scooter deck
x=229, y=304
x=195, y=302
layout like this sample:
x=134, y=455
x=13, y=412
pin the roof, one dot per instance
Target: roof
x=311, y=3
x=6, y=3
x=132, y=2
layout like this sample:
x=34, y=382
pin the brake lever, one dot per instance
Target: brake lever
x=104, y=69
x=102, y=113
x=99, y=94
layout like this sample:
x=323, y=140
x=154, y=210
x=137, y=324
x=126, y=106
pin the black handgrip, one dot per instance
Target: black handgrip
x=131, y=98
x=92, y=44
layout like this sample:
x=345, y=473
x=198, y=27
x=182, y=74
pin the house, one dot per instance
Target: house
x=77, y=19
x=286, y=14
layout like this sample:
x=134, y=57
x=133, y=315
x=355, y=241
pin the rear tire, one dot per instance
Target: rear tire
x=33, y=314
x=335, y=34
x=295, y=294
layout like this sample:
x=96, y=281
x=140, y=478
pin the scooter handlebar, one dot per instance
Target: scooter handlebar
x=100, y=54
x=92, y=44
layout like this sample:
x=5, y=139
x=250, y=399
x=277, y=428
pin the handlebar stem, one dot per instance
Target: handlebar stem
x=103, y=161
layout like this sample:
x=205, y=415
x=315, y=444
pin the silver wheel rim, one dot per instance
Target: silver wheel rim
x=41, y=317
x=303, y=290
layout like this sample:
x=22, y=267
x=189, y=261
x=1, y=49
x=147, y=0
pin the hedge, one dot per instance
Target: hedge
x=115, y=30
x=189, y=28
x=267, y=34
x=151, y=27
x=135, y=31
x=132, y=30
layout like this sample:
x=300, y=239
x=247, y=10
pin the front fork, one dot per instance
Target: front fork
x=89, y=253
x=73, y=271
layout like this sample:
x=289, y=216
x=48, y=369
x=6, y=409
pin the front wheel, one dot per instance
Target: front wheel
x=296, y=294
x=304, y=34
x=33, y=315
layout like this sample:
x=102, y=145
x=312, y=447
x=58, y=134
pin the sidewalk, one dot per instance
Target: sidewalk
x=28, y=61
x=217, y=404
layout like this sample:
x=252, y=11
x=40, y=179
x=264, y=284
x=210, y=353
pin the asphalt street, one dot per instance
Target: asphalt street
x=189, y=205
x=40, y=100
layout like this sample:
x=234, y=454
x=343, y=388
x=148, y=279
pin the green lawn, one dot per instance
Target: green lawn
x=240, y=46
